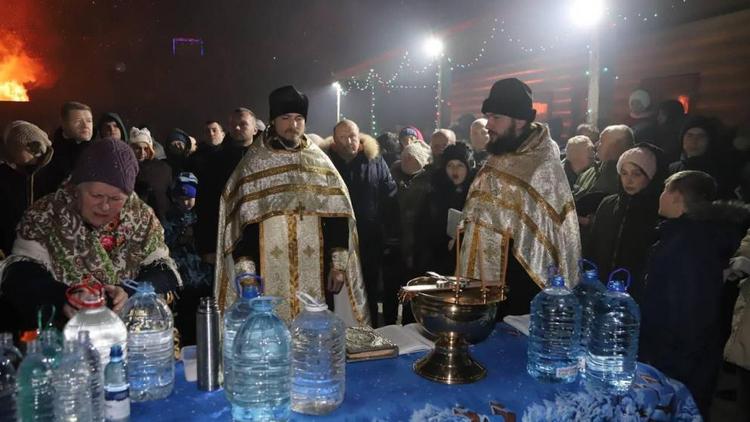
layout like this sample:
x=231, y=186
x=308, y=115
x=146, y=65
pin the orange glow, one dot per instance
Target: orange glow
x=18, y=70
x=685, y=101
x=541, y=109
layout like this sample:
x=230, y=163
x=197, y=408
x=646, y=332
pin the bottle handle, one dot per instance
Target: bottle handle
x=626, y=282
x=309, y=301
x=582, y=265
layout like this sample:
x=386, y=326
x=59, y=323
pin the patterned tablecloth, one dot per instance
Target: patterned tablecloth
x=388, y=390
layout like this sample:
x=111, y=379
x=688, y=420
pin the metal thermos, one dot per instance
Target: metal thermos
x=208, y=340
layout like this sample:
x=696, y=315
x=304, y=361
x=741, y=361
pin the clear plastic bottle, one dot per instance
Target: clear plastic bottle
x=96, y=375
x=51, y=345
x=7, y=388
x=150, y=344
x=116, y=390
x=9, y=350
x=554, y=333
x=261, y=366
x=318, y=359
x=613, y=348
x=588, y=290
x=72, y=385
x=234, y=317
x=35, y=391
x=104, y=326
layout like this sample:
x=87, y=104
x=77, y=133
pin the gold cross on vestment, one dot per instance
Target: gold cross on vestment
x=308, y=251
x=277, y=252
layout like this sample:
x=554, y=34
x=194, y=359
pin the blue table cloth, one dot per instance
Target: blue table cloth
x=388, y=390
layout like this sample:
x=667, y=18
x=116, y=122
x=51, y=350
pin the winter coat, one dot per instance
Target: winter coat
x=66, y=154
x=737, y=349
x=431, y=248
x=19, y=188
x=152, y=185
x=371, y=187
x=601, y=177
x=213, y=173
x=681, y=305
x=707, y=163
x=571, y=175
x=412, y=193
x=623, y=230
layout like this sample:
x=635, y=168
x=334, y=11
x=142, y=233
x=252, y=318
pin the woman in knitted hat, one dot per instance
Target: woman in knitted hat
x=154, y=176
x=701, y=151
x=449, y=185
x=93, y=229
x=624, y=226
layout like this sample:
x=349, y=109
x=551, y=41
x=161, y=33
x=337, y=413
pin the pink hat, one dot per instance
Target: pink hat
x=643, y=158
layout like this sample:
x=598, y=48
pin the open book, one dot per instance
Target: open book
x=408, y=338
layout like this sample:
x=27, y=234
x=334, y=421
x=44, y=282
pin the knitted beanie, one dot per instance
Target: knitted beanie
x=510, y=97
x=21, y=134
x=109, y=161
x=642, y=158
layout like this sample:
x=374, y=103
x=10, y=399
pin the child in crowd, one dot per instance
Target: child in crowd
x=682, y=302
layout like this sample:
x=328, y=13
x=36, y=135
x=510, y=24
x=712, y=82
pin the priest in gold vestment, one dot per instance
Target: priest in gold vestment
x=285, y=214
x=519, y=218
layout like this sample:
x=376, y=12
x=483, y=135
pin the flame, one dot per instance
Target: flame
x=18, y=70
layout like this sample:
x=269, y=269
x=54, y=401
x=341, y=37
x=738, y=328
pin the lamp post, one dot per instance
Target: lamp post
x=587, y=14
x=337, y=86
x=434, y=47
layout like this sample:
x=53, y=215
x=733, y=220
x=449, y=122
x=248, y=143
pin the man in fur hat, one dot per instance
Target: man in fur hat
x=519, y=219
x=285, y=214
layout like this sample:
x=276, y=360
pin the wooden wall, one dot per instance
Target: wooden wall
x=711, y=55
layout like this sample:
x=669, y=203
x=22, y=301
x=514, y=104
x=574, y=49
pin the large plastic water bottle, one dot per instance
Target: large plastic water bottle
x=554, y=333
x=96, y=375
x=150, y=344
x=10, y=358
x=588, y=290
x=613, y=347
x=72, y=385
x=234, y=317
x=117, y=392
x=261, y=365
x=318, y=359
x=51, y=345
x=35, y=391
x=104, y=326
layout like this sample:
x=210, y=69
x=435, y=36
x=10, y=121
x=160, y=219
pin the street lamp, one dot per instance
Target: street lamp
x=433, y=48
x=587, y=14
x=337, y=86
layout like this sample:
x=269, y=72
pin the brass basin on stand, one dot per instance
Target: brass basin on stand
x=457, y=314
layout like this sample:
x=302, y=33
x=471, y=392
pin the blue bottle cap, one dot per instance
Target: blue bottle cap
x=115, y=351
x=557, y=281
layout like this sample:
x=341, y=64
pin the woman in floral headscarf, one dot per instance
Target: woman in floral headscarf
x=92, y=229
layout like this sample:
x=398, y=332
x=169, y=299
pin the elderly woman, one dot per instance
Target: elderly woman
x=579, y=157
x=94, y=228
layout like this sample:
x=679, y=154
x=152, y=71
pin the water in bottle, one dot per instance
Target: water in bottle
x=554, y=333
x=116, y=390
x=588, y=290
x=72, y=385
x=104, y=326
x=96, y=378
x=261, y=365
x=318, y=359
x=51, y=345
x=7, y=389
x=36, y=394
x=9, y=350
x=150, y=344
x=234, y=317
x=613, y=347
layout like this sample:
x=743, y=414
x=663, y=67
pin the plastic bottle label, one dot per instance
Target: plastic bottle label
x=117, y=402
x=566, y=371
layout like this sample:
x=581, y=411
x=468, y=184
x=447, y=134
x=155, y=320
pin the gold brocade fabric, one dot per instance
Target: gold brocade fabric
x=288, y=193
x=523, y=196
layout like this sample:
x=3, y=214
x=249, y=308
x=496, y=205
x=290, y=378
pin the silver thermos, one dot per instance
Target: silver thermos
x=208, y=339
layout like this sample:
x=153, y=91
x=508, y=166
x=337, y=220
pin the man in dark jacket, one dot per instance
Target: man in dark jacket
x=111, y=126
x=69, y=140
x=357, y=158
x=213, y=171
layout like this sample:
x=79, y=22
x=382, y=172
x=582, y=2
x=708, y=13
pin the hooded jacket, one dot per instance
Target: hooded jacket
x=113, y=117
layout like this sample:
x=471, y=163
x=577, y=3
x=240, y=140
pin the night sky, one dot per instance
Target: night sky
x=117, y=56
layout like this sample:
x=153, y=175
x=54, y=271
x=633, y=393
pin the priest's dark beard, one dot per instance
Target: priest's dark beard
x=507, y=143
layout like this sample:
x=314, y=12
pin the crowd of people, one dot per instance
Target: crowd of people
x=350, y=218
